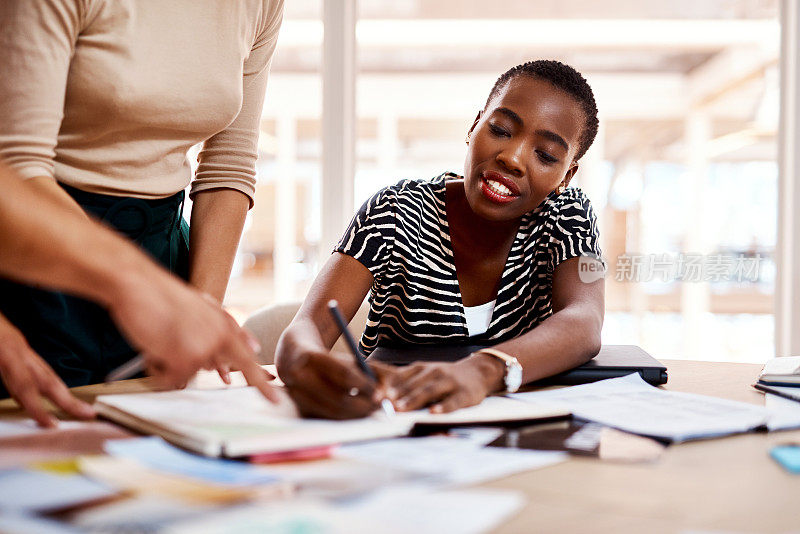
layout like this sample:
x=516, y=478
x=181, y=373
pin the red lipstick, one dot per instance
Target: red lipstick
x=498, y=188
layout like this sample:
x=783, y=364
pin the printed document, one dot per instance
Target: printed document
x=631, y=404
x=449, y=460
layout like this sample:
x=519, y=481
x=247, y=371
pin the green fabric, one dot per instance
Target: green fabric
x=77, y=337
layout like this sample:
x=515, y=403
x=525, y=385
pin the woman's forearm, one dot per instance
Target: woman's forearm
x=566, y=339
x=56, y=244
x=218, y=217
x=300, y=337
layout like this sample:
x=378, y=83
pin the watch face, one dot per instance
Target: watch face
x=513, y=377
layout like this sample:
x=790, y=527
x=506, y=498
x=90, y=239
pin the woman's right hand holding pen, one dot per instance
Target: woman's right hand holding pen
x=329, y=385
x=324, y=383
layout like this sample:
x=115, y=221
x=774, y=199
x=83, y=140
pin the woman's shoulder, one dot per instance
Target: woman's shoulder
x=572, y=199
x=416, y=189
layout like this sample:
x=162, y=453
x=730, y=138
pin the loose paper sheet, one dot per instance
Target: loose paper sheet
x=448, y=460
x=24, y=427
x=631, y=404
x=31, y=490
x=465, y=512
x=785, y=412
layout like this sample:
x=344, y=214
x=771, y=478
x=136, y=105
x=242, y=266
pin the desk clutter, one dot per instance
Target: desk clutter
x=334, y=477
x=781, y=377
x=780, y=381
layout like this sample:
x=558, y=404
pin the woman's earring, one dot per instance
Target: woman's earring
x=561, y=188
x=467, y=139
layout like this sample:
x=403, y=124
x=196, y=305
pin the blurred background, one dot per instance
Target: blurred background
x=683, y=174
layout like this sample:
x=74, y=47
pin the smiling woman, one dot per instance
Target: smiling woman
x=487, y=259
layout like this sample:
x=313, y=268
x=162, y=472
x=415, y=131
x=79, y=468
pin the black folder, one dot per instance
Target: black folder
x=612, y=361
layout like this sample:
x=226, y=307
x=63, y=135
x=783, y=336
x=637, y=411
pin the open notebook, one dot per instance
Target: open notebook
x=238, y=421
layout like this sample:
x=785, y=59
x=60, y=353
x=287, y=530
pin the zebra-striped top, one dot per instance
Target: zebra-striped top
x=401, y=235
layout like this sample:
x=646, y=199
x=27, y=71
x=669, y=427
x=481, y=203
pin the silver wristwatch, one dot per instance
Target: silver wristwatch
x=513, y=376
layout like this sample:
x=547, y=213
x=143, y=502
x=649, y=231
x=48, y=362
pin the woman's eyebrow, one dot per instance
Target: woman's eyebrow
x=552, y=136
x=510, y=114
x=547, y=134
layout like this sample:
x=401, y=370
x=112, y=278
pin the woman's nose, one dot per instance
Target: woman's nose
x=511, y=157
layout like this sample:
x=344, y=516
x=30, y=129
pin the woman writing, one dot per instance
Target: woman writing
x=101, y=100
x=490, y=258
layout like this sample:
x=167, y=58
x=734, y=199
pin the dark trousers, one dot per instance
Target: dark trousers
x=77, y=337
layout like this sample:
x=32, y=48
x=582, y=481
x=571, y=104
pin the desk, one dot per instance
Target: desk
x=727, y=484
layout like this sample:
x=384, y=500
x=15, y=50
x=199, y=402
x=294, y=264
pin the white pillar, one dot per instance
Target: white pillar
x=787, y=289
x=631, y=172
x=388, y=143
x=285, y=208
x=695, y=294
x=589, y=173
x=338, y=120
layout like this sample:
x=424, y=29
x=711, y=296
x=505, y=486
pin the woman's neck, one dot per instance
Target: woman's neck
x=469, y=228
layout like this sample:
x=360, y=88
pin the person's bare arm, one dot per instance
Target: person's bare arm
x=224, y=183
x=177, y=329
x=566, y=339
x=47, y=189
x=218, y=217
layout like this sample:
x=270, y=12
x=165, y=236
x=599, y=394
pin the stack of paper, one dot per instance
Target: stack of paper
x=631, y=404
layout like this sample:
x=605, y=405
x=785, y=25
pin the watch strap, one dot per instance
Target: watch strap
x=512, y=377
x=498, y=354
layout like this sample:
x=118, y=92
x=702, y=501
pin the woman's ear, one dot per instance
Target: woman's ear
x=570, y=173
x=474, y=124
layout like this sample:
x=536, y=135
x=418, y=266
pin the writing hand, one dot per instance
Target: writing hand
x=330, y=386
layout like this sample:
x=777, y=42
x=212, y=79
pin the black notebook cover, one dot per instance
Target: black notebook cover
x=612, y=361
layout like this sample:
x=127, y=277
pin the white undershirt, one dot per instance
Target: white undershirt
x=479, y=317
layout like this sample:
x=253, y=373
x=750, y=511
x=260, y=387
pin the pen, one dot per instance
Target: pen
x=133, y=366
x=333, y=306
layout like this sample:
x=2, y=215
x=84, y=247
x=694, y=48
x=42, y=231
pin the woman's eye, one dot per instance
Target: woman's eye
x=498, y=131
x=545, y=157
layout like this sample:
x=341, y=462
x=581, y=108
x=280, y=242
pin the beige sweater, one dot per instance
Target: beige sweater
x=108, y=95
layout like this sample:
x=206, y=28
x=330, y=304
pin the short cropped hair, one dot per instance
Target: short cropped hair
x=562, y=77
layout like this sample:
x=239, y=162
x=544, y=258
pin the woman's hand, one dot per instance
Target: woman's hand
x=331, y=386
x=29, y=379
x=444, y=387
x=179, y=331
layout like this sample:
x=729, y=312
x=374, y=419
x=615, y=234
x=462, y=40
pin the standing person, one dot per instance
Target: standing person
x=100, y=101
x=490, y=258
x=176, y=328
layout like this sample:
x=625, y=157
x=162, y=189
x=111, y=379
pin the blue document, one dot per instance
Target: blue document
x=156, y=453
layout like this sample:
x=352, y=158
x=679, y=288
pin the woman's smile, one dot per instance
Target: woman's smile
x=498, y=188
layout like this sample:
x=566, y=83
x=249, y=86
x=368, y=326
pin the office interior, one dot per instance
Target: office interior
x=685, y=168
x=693, y=177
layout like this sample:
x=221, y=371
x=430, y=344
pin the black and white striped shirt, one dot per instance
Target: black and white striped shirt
x=401, y=235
